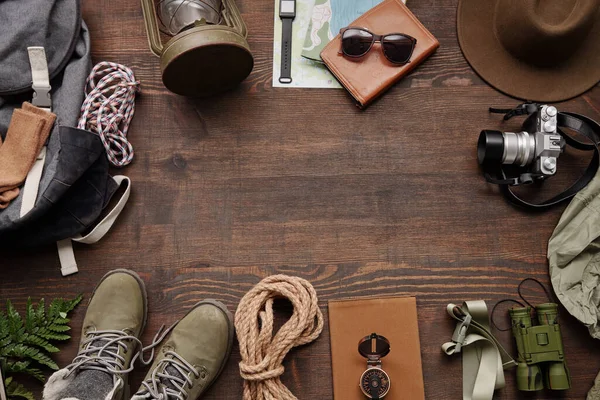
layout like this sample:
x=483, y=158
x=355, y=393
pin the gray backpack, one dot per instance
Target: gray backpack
x=45, y=59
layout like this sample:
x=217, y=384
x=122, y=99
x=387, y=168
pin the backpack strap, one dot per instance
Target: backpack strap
x=40, y=78
x=41, y=98
x=68, y=264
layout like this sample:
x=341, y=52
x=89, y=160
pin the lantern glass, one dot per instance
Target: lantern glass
x=178, y=15
x=207, y=52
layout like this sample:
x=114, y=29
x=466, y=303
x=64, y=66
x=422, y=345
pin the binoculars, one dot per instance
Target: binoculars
x=541, y=358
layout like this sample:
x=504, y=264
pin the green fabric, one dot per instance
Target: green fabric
x=574, y=257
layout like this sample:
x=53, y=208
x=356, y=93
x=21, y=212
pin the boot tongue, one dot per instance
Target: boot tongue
x=155, y=386
x=106, y=352
x=170, y=370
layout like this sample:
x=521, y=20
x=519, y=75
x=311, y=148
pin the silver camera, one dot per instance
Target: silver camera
x=536, y=147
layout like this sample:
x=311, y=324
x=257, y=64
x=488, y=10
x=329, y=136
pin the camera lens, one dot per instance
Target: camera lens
x=490, y=147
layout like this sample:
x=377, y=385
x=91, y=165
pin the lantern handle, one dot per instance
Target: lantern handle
x=238, y=21
x=152, y=31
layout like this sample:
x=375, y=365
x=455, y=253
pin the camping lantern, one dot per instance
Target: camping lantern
x=207, y=53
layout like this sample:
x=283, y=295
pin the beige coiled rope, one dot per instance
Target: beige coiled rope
x=262, y=354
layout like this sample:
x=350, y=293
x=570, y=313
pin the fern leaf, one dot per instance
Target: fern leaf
x=14, y=389
x=15, y=324
x=59, y=328
x=6, y=341
x=60, y=307
x=55, y=308
x=25, y=343
x=29, y=316
x=18, y=350
x=71, y=304
x=51, y=311
x=40, y=342
x=15, y=366
x=4, y=331
x=11, y=312
x=45, y=360
x=49, y=335
x=36, y=373
x=23, y=351
x=40, y=313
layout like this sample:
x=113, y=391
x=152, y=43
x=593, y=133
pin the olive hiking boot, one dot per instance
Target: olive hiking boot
x=192, y=356
x=109, y=345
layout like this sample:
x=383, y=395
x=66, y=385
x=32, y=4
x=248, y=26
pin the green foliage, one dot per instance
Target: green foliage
x=25, y=344
x=14, y=389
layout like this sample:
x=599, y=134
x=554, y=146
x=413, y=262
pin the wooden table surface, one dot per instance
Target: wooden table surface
x=387, y=201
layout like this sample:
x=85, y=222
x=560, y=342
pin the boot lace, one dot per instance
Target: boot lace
x=103, y=350
x=172, y=382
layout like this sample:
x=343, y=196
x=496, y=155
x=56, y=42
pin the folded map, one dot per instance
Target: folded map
x=327, y=18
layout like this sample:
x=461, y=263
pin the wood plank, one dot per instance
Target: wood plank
x=262, y=180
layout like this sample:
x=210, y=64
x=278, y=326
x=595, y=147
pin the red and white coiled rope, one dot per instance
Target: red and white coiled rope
x=108, y=109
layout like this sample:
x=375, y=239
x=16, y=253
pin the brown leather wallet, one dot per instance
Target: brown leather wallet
x=369, y=76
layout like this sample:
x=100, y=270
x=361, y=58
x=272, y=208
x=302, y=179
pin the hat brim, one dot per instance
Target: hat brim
x=495, y=65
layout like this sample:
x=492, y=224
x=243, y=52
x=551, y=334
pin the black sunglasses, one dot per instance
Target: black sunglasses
x=397, y=47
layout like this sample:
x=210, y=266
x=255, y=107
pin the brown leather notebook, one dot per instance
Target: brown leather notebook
x=393, y=317
x=369, y=76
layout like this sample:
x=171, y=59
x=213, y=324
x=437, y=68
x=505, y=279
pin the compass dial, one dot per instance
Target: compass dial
x=375, y=381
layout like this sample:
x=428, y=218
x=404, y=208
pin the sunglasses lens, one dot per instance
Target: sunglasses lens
x=397, y=48
x=356, y=42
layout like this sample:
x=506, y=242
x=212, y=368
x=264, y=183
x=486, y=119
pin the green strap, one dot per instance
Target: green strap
x=484, y=358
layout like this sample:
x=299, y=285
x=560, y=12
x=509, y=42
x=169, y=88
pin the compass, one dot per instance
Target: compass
x=374, y=382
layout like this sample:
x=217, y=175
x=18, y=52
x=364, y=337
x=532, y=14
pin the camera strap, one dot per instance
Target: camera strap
x=581, y=124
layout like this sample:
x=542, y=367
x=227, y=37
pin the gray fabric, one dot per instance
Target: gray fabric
x=173, y=372
x=67, y=97
x=52, y=24
x=73, y=201
x=89, y=385
x=75, y=184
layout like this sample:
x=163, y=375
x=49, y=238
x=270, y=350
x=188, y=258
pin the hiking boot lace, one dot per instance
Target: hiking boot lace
x=101, y=348
x=172, y=382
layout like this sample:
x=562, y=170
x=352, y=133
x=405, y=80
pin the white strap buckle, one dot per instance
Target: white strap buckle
x=40, y=77
x=68, y=264
x=41, y=98
x=460, y=332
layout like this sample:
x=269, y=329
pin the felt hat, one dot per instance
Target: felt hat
x=537, y=50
